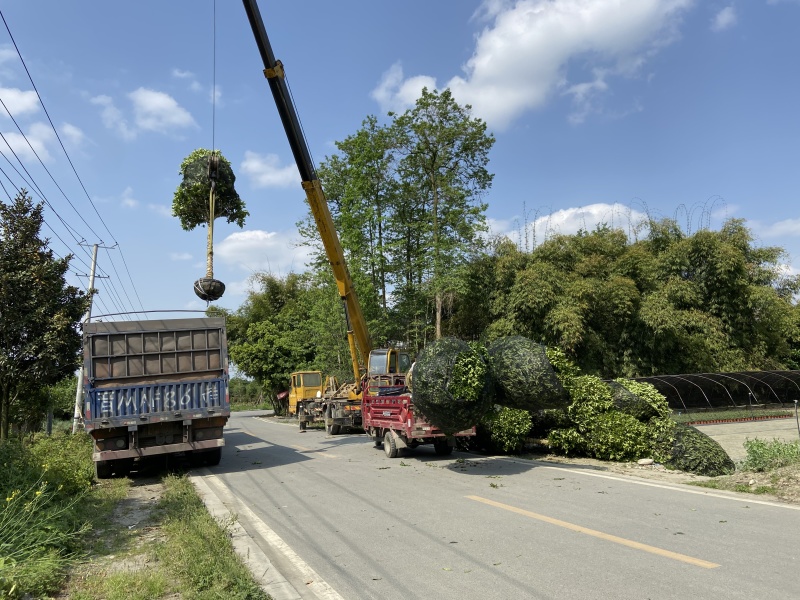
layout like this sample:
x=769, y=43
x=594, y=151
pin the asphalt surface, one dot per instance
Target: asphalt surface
x=333, y=517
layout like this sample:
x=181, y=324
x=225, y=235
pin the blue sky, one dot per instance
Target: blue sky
x=603, y=110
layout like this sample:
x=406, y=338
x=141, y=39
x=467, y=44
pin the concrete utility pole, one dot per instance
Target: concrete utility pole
x=77, y=416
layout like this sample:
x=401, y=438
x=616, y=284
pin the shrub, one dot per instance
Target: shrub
x=43, y=484
x=509, y=428
x=616, y=436
x=568, y=441
x=545, y=421
x=695, y=452
x=766, y=456
x=452, y=386
x=523, y=375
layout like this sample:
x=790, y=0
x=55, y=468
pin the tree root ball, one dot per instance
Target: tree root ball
x=208, y=289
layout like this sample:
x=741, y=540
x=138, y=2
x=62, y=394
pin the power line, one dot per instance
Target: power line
x=74, y=170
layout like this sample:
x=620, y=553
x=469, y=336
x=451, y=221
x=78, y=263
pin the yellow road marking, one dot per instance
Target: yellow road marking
x=599, y=534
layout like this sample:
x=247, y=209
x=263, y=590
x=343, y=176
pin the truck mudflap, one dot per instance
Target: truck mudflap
x=156, y=450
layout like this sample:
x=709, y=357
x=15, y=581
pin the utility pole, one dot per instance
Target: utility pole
x=77, y=416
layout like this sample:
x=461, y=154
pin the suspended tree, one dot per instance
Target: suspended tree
x=39, y=312
x=206, y=193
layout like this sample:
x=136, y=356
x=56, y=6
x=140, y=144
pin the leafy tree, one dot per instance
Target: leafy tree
x=270, y=335
x=361, y=190
x=444, y=153
x=194, y=204
x=39, y=312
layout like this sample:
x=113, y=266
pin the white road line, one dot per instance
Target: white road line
x=675, y=489
x=633, y=480
x=221, y=504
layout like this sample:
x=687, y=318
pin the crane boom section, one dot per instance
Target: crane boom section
x=273, y=70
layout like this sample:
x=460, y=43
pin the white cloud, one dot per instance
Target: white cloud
x=536, y=228
x=161, y=209
x=152, y=111
x=74, y=135
x=180, y=256
x=112, y=117
x=216, y=95
x=34, y=143
x=395, y=93
x=724, y=19
x=256, y=251
x=522, y=56
x=181, y=74
x=787, y=227
x=18, y=102
x=127, y=200
x=157, y=111
x=265, y=171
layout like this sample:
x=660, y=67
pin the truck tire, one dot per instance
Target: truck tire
x=389, y=446
x=302, y=425
x=102, y=469
x=442, y=448
x=335, y=429
x=213, y=457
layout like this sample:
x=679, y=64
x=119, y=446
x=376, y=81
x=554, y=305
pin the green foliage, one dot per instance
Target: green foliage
x=452, y=388
x=695, y=452
x=617, y=436
x=191, y=200
x=39, y=312
x=623, y=306
x=509, y=428
x=643, y=400
x=763, y=455
x=197, y=551
x=568, y=441
x=42, y=487
x=523, y=375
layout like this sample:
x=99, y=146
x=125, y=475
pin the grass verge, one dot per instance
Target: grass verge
x=171, y=548
x=771, y=467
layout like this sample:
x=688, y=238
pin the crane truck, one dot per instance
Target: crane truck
x=378, y=400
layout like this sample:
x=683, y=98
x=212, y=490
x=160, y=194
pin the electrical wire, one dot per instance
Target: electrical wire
x=69, y=159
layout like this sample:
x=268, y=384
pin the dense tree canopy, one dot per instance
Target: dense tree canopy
x=39, y=312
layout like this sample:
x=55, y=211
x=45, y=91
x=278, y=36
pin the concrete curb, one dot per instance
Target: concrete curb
x=277, y=568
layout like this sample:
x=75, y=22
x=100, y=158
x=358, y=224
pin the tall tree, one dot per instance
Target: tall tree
x=39, y=312
x=445, y=152
x=361, y=188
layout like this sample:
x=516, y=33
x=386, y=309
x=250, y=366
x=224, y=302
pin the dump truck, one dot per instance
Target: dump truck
x=153, y=388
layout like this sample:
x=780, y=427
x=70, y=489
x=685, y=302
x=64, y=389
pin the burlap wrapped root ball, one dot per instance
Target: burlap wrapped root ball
x=523, y=376
x=452, y=385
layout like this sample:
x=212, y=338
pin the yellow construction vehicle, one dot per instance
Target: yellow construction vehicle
x=343, y=407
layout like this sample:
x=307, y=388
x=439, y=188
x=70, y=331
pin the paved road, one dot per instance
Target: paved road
x=337, y=519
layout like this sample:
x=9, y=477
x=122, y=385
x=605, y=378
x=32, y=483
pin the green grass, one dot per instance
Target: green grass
x=197, y=550
x=241, y=406
x=701, y=416
x=768, y=456
x=46, y=508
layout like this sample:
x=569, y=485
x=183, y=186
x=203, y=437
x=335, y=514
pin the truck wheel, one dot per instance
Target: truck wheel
x=213, y=457
x=389, y=445
x=302, y=425
x=335, y=429
x=122, y=467
x=102, y=469
x=442, y=449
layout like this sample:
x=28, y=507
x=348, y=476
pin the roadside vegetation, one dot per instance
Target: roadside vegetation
x=61, y=532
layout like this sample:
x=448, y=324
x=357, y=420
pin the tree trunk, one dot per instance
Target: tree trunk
x=210, y=246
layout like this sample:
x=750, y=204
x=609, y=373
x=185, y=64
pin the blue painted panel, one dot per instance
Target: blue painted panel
x=155, y=400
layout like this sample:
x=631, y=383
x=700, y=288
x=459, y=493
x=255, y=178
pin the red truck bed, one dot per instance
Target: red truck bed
x=387, y=410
